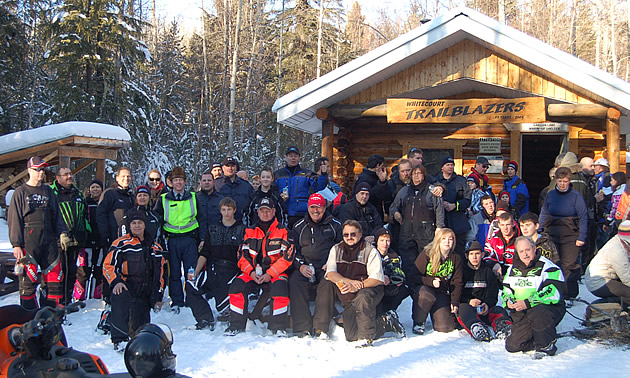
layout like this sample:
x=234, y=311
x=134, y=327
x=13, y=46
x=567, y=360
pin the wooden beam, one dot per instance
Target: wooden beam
x=355, y=111
x=83, y=166
x=100, y=170
x=113, y=143
x=515, y=147
x=24, y=173
x=577, y=110
x=87, y=153
x=574, y=138
x=26, y=153
x=612, y=139
x=327, y=140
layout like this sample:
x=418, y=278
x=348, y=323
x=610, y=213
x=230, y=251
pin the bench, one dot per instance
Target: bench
x=7, y=264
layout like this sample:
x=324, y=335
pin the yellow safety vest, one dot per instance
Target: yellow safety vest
x=180, y=217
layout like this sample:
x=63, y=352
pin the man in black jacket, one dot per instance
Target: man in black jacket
x=360, y=209
x=73, y=209
x=209, y=198
x=115, y=201
x=375, y=176
x=230, y=185
x=34, y=224
x=457, y=198
x=314, y=235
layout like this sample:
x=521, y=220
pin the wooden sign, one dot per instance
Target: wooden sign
x=545, y=127
x=474, y=110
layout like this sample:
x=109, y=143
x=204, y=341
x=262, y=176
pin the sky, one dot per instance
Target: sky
x=188, y=11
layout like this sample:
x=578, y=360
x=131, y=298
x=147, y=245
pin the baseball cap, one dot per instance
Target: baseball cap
x=292, y=149
x=316, y=199
x=36, y=162
x=265, y=202
x=482, y=160
x=602, y=162
x=229, y=160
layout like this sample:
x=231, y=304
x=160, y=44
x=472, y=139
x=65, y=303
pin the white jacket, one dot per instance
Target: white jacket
x=612, y=262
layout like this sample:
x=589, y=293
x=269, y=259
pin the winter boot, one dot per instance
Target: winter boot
x=364, y=343
x=394, y=325
x=105, y=322
x=545, y=351
x=418, y=328
x=504, y=329
x=480, y=332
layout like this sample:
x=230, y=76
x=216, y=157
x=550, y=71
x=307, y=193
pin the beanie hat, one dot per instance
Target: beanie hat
x=624, y=231
x=505, y=192
x=97, y=182
x=134, y=214
x=143, y=189
x=473, y=179
x=446, y=160
x=364, y=186
x=474, y=246
x=380, y=232
x=513, y=164
x=178, y=172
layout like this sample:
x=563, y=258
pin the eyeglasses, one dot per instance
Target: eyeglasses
x=38, y=169
x=484, y=166
x=350, y=235
x=154, y=179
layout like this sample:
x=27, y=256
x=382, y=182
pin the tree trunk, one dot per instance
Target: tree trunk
x=613, y=48
x=280, y=56
x=319, y=37
x=233, y=73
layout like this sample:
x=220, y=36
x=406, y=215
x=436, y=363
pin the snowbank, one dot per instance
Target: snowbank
x=29, y=138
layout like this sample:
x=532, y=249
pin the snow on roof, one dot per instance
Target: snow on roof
x=297, y=108
x=45, y=134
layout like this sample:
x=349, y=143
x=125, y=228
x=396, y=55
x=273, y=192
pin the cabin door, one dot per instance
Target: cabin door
x=538, y=154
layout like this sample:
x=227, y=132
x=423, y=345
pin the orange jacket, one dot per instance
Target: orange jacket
x=275, y=249
x=139, y=265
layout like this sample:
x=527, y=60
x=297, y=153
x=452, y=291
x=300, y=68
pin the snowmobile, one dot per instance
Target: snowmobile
x=33, y=344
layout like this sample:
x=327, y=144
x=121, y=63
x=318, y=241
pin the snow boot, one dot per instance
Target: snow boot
x=504, y=329
x=364, y=343
x=418, y=328
x=205, y=324
x=545, y=351
x=392, y=324
x=104, y=323
x=480, y=332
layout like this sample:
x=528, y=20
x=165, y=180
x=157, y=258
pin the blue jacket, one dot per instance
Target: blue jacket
x=209, y=205
x=567, y=205
x=301, y=184
x=239, y=190
x=519, y=195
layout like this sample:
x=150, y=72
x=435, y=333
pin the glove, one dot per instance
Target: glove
x=64, y=241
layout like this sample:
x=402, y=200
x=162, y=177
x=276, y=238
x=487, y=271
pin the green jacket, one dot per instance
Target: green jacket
x=74, y=211
x=541, y=282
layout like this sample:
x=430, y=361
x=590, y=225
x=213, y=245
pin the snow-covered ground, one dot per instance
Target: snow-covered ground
x=256, y=353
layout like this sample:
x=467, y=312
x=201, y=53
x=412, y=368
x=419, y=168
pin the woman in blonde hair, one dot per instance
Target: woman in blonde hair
x=441, y=270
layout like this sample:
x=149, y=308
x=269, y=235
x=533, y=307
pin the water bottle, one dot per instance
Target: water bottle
x=259, y=271
x=191, y=274
x=312, y=278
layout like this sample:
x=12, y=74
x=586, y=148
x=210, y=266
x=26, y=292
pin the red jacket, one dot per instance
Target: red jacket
x=275, y=249
x=501, y=250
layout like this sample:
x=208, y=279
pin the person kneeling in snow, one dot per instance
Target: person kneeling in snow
x=266, y=254
x=354, y=274
x=133, y=269
x=532, y=289
x=479, y=298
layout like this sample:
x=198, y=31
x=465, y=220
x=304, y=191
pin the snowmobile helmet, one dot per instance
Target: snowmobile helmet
x=149, y=352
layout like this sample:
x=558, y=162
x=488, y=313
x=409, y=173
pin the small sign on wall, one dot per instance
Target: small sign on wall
x=489, y=146
x=496, y=164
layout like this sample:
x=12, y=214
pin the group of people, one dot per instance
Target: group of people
x=291, y=236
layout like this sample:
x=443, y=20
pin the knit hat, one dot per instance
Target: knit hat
x=513, y=164
x=178, y=172
x=624, y=231
x=316, y=199
x=364, y=186
x=446, y=160
x=502, y=205
x=380, y=232
x=97, y=182
x=36, y=162
x=134, y=214
x=143, y=189
x=504, y=192
x=473, y=179
x=474, y=246
x=216, y=164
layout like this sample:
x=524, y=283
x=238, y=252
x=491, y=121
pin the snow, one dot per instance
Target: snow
x=29, y=138
x=257, y=353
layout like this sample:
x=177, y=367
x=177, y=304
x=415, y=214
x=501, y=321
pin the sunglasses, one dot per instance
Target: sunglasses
x=154, y=179
x=484, y=166
x=38, y=169
x=350, y=235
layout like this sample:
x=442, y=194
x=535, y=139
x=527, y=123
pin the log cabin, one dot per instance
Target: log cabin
x=465, y=85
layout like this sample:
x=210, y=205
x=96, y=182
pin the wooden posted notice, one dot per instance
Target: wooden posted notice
x=474, y=110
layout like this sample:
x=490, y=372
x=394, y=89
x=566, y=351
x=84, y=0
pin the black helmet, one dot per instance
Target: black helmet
x=149, y=353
